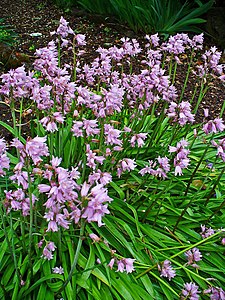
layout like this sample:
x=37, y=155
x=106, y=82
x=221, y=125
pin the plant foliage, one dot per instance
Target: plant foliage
x=7, y=35
x=164, y=16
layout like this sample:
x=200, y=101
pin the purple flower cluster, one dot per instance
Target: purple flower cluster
x=58, y=270
x=211, y=60
x=190, y=291
x=112, y=135
x=181, y=160
x=124, y=264
x=124, y=165
x=206, y=232
x=18, y=200
x=193, y=256
x=220, y=148
x=178, y=43
x=138, y=139
x=50, y=122
x=30, y=153
x=85, y=128
x=97, y=203
x=180, y=113
x=61, y=86
x=64, y=30
x=159, y=169
x=34, y=148
x=67, y=201
x=214, y=126
x=62, y=192
x=18, y=84
x=92, y=158
x=209, y=64
x=167, y=270
x=4, y=160
x=48, y=250
x=215, y=293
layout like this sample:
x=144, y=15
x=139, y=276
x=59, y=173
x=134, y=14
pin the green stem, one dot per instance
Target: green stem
x=13, y=250
x=12, y=107
x=173, y=135
x=222, y=109
x=200, y=97
x=84, y=162
x=51, y=142
x=214, y=186
x=187, y=188
x=174, y=73
x=186, y=79
x=164, y=283
x=75, y=257
x=194, y=93
x=156, y=129
x=31, y=223
x=181, y=252
x=195, y=170
x=23, y=232
x=59, y=54
x=215, y=212
x=197, y=244
x=20, y=117
x=10, y=245
x=60, y=244
x=70, y=151
x=171, y=65
x=74, y=63
x=153, y=202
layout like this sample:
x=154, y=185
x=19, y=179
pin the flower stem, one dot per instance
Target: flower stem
x=195, y=170
x=214, y=186
x=75, y=257
x=186, y=79
x=31, y=223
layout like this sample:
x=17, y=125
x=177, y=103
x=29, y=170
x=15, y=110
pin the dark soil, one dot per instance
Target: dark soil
x=42, y=17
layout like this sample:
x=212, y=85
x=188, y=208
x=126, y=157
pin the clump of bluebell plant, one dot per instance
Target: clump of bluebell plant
x=97, y=128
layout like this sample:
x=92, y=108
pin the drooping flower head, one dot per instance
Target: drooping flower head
x=4, y=160
x=190, y=291
x=193, y=256
x=215, y=293
x=167, y=270
x=125, y=264
x=181, y=160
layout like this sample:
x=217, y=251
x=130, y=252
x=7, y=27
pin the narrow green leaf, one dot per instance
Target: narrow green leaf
x=148, y=286
x=118, y=190
x=40, y=281
x=90, y=264
x=42, y=292
x=37, y=265
x=11, y=130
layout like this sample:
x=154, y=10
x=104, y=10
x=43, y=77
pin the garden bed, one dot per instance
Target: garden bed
x=115, y=176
